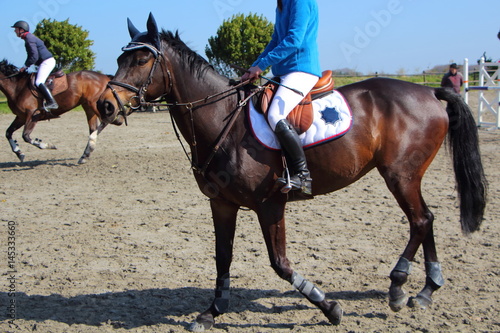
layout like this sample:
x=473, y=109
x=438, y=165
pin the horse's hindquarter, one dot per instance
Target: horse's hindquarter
x=392, y=121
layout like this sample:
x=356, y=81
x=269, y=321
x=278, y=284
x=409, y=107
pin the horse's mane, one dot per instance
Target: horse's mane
x=197, y=64
x=7, y=68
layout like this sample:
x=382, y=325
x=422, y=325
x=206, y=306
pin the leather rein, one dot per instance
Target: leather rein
x=190, y=106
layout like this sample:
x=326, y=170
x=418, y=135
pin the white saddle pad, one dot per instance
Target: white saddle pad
x=332, y=119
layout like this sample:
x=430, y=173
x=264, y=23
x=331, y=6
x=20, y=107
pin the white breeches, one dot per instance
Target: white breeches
x=44, y=70
x=285, y=100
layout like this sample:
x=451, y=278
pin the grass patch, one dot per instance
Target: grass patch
x=4, y=108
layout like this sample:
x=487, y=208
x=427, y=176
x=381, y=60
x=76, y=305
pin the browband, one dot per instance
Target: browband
x=138, y=45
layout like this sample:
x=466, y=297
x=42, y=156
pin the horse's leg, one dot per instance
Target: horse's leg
x=408, y=194
x=28, y=128
x=224, y=215
x=434, y=277
x=14, y=126
x=94, y=128
x=272, y=221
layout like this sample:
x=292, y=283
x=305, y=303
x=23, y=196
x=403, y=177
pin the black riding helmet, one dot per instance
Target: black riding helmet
x=22, y=24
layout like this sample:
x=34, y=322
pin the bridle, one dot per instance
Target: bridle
x=140, y=92
x=190, y=106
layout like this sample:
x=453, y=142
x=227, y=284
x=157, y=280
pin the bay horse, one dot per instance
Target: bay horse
x=84, y=88
x=398, y=128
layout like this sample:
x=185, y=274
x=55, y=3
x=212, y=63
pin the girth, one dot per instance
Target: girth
x=57, y=82
x=302, y=115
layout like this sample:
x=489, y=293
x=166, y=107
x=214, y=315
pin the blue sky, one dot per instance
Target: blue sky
x=385, y=36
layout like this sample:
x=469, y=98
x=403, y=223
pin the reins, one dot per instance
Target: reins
x=190, y=106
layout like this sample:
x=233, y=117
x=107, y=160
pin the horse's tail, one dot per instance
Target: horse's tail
x=463, y=143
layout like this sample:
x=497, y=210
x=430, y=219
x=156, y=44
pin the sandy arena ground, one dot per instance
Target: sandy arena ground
x=125, y=243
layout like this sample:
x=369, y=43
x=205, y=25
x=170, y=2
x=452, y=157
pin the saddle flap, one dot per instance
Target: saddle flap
x=302, y=116
x=57, y=82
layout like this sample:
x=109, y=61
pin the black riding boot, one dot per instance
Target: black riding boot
x=295, y=158
x=50, y=102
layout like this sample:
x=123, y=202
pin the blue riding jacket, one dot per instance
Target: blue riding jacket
x=293, y=46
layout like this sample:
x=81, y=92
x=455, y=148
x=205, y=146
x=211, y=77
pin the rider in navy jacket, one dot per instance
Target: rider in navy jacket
x=38, y=55
x=36, y=49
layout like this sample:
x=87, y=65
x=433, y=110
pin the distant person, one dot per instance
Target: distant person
x=38, y=55
x=453, y=79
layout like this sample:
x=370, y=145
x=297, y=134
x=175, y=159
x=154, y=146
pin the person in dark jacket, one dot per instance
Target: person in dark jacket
x=38, y=55
x=453, y=79
x=293, y=55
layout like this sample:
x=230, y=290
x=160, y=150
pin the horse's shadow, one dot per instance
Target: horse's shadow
x=135, y=308
x=27, y=165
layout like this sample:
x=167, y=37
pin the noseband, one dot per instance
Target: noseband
x=140, y=92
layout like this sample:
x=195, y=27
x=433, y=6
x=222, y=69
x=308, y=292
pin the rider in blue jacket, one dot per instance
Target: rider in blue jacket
x=293, y=55
x=38, y=55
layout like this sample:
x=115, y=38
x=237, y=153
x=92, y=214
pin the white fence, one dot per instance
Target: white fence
x=486, y=82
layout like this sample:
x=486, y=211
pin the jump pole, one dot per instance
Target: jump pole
x=485, y=83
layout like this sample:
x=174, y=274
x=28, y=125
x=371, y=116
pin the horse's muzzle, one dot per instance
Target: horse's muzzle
x=109, y=112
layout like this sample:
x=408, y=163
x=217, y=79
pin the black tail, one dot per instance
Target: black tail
x=464, y=146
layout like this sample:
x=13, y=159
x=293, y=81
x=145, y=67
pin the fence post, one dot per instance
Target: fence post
x=466, y=80
x=480, y=93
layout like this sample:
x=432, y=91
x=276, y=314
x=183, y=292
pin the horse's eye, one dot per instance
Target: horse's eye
x=142, y=62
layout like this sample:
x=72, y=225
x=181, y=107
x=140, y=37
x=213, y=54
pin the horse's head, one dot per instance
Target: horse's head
x=139, y=77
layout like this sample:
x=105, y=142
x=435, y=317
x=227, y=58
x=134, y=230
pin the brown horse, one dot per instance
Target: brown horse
x=84, y=88
x=398, y=129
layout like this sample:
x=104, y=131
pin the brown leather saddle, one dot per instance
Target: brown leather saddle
x=57, y=82
x=302, y=116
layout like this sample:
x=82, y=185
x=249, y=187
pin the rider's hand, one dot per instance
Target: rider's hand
x=252, y=74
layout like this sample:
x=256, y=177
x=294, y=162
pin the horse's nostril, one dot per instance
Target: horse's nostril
x=109, y=108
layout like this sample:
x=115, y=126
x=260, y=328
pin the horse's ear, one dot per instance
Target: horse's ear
x=153, y=30
x=132, y=30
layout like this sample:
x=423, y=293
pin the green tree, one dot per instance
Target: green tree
x=68, y=43
x=239, y=40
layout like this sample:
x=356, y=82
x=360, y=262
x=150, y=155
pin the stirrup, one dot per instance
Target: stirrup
x=286, y=178
x=296, y=183
x=48, y=107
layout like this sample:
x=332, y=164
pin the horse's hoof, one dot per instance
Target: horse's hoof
x=420, y=301
x=82, y=160
x=398, y=304
x=334, y=313
x=200, y=326
x=21, y=157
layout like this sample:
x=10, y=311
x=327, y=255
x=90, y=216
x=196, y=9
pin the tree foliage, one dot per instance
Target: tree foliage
x=68, y=43
x=239, y=40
